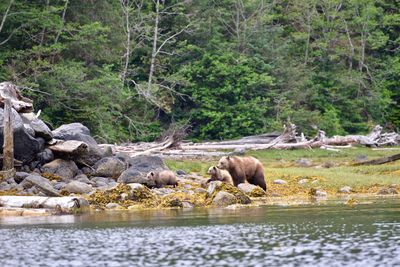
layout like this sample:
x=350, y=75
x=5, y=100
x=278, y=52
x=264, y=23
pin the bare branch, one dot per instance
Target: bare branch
x=5, y=15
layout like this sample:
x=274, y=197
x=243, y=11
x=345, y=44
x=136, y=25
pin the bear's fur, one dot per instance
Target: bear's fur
x=219, y=175
x=163, y=178
x=244, y=169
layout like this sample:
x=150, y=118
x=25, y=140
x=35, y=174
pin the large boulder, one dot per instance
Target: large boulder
x=77, y=187
x=251, y=190
x=42, y=184
x=25, y=145
x=223, y=199
x=109, y=167
x=79, y=132
x=39, y=128
x=147, y=164
x=66, y=169
x=132, y=175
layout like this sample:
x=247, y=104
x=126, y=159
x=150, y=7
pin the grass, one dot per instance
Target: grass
x=329, y=170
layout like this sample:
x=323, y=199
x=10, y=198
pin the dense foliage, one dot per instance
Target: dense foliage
x=230, y=68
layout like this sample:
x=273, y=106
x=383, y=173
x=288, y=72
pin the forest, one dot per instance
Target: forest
x=130, y=69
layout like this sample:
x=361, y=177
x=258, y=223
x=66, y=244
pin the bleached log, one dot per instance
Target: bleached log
x=379, y=161
x=19, y=102
x=63, y=203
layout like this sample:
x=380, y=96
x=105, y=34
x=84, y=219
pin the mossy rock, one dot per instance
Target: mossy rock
x=51, y=176
x=241, y=197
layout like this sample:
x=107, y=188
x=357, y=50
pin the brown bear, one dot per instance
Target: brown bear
x=219, y=175
x=163, y=178
x=244, y=169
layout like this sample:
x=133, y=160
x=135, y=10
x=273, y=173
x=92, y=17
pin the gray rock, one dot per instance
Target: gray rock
x=180, y=172
x=42, y=184
x=39, y=127
x=145, y=164
x=20, y=176
x=25, y=145
x=280, y=181
x=45, y=156
x=107, y=151
x=109, y=167
x=82, y=178
x=304, y=162
x=248, y=189
x=320, y=193
x=124, y=196
x=59, y=185
x=345, y=190
x=136, y=186
x=66, y=169
x=200, y=191
x=132, y=175
x=388, y=191
x=187, y=205
x=79, y=132
x=100, y=184
x=223, y=199
x=213, y=186
x=4, y=186
x=303, y=181
x=77, y=187
x=87, y=171
x=113, y=206
x=239, y=151
x=361, y=158
x=162, y=191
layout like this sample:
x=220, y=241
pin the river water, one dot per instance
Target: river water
x=311, y=235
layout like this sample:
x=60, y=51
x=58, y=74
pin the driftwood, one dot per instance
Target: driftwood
x=19, y=102
x=65, y=203
x=289, y=139
x=379, y=161
x=8, y=144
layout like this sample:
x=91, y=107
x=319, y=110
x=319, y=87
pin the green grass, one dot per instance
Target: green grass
x=281, y=164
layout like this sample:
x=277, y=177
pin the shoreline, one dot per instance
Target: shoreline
x=350, y=200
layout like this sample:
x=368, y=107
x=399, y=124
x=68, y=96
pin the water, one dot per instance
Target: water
x=320, y=235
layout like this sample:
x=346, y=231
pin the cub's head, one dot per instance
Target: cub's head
x=223, y=163
x=212, y=170
x=151, y=176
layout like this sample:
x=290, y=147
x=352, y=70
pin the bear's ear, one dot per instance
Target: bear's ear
x=152, y=173
x=228, y=157
x=214, y=168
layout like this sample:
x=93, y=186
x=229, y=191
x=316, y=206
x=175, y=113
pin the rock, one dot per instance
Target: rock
x=59, y=185
x=132, y=175
x=328, y=164
x=304, y=162
x=251, y=190
x=82, y=178
x=280, y=181
x=39, y=127
x=109, y=167
x=113, y=206
x=20, y=176
x=87, y=170
x=145, y=164
x=318, y=193
x=107, y=152
x=66, y=169
x=25, y=145
x=123, y=156
x=345, y=190
x=42, y=184
x=180, y=172
x=79, y=132
x=162, y=191
x=45, y=156
x=139, y=192
x=303, y=181
x=136, y=186
x=124, y=196
x=200, y=191
x=4, y=186
x=77, y=187
x=388, y=191
x=187, y=205
x=361, y=158
x=223, y=199
x=213, y=186
x=100, y=184
x=239, y=151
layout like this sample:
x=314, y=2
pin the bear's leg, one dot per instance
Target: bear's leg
x=238, y=178
x=259, y=179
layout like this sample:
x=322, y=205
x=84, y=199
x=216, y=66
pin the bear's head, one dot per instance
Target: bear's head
x=151, y=176
x=212, y=170
x=223, y=163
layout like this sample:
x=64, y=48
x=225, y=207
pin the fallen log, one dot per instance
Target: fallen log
x=19, y=102
x=66, y=204
x=379, y=161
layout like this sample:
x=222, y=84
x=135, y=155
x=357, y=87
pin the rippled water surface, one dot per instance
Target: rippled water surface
x=330, y=235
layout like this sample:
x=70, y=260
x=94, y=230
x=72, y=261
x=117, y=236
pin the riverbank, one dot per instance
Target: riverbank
x=295, y=177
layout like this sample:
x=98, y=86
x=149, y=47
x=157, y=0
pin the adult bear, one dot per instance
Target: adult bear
x=244, y=169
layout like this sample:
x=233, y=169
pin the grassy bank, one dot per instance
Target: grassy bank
x=327, y=170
